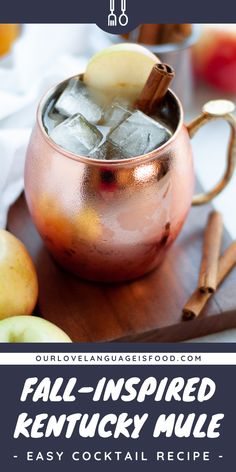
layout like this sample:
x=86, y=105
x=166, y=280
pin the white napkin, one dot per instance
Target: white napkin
x=43, y=56
x=13, y=144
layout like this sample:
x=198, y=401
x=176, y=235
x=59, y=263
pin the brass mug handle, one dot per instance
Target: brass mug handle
x=214, y=110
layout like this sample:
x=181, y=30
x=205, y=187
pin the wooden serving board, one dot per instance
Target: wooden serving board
x=91, y=312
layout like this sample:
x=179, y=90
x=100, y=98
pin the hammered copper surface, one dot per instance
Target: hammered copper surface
x=94, y=312
x=110, y=220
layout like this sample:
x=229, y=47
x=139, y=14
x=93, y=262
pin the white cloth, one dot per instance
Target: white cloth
x=13, y=143
x=43, y=56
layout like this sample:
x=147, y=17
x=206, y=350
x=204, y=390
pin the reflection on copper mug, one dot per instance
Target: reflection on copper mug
x=115, y=220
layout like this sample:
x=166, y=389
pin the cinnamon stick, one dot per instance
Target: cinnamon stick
x=148, y=34
x=175, y=33
x=154, y=34
x=185, y=30
x=211, y=253
x=149, y=90
x=198, y=300
x=125, y=36
x=166, y=75
x=168, y=34
x=155, y=88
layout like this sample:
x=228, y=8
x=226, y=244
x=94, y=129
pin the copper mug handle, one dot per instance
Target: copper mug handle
x=214, y=110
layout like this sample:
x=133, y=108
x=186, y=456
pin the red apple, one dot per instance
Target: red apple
x=214, y=57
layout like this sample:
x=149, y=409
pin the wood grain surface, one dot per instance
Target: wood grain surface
x=148, y=309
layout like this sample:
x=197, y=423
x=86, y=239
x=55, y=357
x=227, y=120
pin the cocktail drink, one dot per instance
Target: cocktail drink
x=108, y=184
x=100, y=125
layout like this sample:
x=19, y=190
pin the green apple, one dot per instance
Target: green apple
x=18, y=279
x=124, y=67
x=30, y=329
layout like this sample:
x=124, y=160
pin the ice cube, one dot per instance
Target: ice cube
x=115, y=114
x=76, y=99
x=139, y=134
x=52, y=118
x=107, y=151
x=77, y=135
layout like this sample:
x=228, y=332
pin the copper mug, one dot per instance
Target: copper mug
x=115, y=220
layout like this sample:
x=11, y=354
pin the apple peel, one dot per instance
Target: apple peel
x=31, y=329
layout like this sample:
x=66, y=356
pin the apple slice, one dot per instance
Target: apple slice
x=18, y=279
x=123, y=67
x=30, y=329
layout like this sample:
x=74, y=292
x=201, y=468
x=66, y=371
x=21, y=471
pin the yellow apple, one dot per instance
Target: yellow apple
x=30, y=329
x=8, y=34
x=124, y=67
x=18, y=279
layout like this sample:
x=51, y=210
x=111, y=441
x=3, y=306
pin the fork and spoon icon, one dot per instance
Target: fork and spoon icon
x=112, y=18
